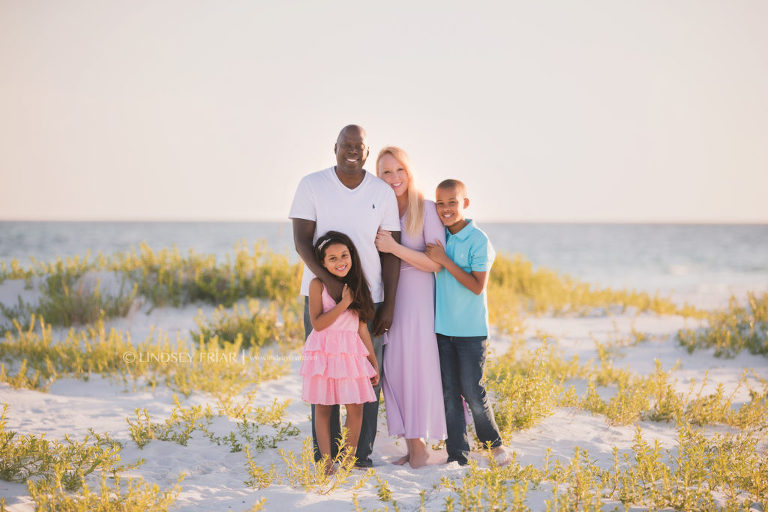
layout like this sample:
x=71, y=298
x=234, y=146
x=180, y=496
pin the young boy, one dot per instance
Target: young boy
x=461, y=323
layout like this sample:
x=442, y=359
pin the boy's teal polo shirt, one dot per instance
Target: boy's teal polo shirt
x=458, y=311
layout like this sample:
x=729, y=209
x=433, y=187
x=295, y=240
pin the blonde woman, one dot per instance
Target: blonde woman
x=413, y=391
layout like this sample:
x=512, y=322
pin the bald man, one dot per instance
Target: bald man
x=349, y=199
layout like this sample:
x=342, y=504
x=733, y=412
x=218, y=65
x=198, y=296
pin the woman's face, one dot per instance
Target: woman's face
x=393, y=172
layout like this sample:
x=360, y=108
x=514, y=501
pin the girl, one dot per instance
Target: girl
x=339, y=365
x=413, y=391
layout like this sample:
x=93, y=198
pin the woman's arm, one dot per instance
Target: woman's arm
x=319, y=319
x=366, y=337
x=386, y=243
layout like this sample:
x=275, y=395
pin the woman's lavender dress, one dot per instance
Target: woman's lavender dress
x=413, y=392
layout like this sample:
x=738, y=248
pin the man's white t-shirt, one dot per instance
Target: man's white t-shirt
x=358, y=213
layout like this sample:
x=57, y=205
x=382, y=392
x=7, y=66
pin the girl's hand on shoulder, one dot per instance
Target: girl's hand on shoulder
x=385, y=242
x=346, y=296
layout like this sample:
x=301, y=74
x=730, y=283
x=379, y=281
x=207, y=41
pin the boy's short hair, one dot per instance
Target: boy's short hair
x=461, y=189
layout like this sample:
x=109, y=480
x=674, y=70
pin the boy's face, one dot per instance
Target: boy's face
x=450, y=203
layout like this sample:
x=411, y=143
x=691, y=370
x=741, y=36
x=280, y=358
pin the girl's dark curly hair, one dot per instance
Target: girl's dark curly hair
x=355, y=279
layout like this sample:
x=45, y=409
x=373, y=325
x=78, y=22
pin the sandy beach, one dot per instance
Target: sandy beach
x=216, y=476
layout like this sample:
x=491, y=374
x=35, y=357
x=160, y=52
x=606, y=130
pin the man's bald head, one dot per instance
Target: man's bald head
x=351, y=129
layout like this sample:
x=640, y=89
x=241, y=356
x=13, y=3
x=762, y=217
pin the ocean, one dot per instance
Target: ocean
x=700, y=264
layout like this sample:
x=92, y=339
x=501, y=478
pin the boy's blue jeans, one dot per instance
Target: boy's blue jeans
x=370, y=409
x=462, y=361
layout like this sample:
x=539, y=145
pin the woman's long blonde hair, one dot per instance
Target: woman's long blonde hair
x=414, y=215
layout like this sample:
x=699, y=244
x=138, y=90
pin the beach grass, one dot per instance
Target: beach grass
x=718, y=462
x=528, y=386
x=743, y=325
x=219, y=368
x=165, y=277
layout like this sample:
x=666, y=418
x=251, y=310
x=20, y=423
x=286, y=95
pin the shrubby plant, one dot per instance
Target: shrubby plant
x=219, y=368
x=70, y=294
x=163, y=277
x=303, y=472
x=514, y=284
x=740, y=327
x=184, y=421
x=137, y=496
x=257, y=324
x=723, y=471
x=67, y=463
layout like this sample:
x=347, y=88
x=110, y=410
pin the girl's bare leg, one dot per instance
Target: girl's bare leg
x=353, y=423
x=417, y=451
x=323, y=431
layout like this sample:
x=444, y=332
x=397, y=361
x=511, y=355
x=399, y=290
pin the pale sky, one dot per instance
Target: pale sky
x=548, y=110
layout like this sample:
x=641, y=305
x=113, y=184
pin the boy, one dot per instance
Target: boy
x=461, y=323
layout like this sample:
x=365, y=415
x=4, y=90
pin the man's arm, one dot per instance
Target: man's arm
x=303, y=233
x=390, y=273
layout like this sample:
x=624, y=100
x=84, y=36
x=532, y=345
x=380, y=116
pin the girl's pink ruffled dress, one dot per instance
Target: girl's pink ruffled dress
x=335, y=366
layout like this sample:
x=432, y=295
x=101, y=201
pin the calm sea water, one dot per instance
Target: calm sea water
x=702, y=264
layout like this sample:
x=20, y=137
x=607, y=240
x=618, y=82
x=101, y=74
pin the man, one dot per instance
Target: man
x=349, y=199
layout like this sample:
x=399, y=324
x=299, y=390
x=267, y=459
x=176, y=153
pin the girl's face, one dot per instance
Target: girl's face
x=337, y=260
x=393, y=172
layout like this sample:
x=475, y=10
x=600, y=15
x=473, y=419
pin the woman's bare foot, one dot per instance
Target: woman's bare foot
x=419, y=456
x=402, y=460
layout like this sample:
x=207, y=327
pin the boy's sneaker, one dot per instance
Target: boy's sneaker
x=501, y=456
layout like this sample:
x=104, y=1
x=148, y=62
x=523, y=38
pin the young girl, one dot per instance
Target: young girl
x=339, y=365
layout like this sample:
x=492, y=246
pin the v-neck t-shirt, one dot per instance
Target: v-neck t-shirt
x=358, y=213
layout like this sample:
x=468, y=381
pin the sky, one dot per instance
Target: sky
x=589, y=111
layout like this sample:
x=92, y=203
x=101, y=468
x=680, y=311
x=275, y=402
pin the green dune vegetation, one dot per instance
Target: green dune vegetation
x=256, y=327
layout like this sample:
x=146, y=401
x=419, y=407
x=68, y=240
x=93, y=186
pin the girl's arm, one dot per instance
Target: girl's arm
x=319, y=319
x=366, y=337
x=386, y=243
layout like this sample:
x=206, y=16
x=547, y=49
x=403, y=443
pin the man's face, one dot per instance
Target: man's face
x=351, y=151
x=450, y=203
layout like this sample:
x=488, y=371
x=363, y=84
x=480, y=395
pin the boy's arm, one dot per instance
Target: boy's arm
x=474, y=282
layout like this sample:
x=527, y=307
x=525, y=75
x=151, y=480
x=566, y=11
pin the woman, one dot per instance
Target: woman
x=413, y=392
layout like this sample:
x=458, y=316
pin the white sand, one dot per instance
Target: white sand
x=215, y=477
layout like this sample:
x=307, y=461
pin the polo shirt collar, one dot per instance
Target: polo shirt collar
x=464, y=233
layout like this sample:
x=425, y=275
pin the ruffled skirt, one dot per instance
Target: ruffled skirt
x=335, y=369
